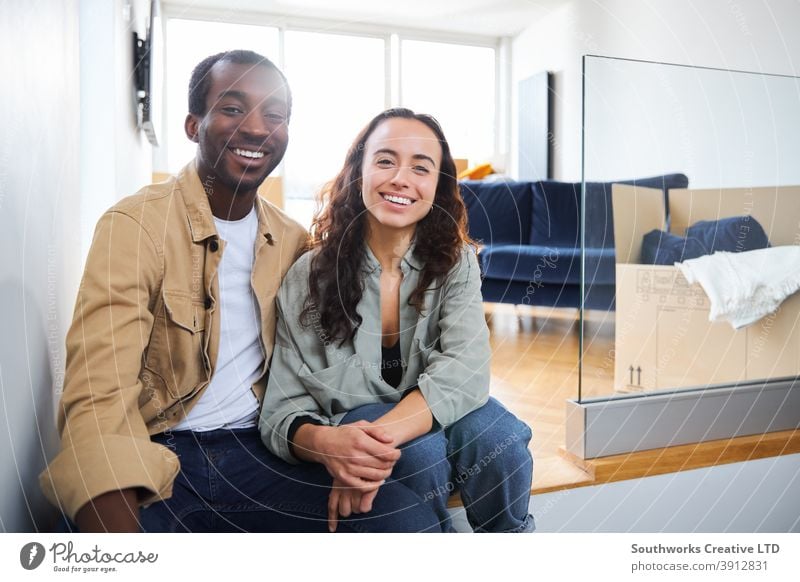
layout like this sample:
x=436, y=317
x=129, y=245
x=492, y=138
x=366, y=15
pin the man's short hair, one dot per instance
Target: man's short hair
x=200, y=82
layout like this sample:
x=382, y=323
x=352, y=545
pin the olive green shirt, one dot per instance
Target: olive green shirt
x=445, y=351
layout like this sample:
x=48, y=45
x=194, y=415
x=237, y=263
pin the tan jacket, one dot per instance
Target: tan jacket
x=145, y=335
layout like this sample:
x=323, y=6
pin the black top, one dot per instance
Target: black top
x=392, y=365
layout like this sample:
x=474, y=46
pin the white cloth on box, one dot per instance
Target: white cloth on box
x=744, y=287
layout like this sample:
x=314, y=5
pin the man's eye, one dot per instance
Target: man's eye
x=230, y=109
x=276, y=117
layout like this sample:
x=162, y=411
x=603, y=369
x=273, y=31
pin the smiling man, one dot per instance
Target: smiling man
x=174, y=325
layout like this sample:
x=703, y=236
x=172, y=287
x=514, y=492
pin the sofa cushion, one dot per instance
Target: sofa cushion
x=665, y=248
x=539, y=265
x=498, y=212
x=556, y=218
x=734, y=234
x=599, y=211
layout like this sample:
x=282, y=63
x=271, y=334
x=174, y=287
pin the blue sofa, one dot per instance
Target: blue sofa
x=530, y=238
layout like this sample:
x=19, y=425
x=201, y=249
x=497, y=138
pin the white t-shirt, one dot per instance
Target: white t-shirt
x=228, y=401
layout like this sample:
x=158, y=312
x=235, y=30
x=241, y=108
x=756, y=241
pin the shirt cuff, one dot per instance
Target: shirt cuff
x=297, y=423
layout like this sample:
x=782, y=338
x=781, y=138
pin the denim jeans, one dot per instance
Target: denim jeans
x=230, y=482
x=484, y=456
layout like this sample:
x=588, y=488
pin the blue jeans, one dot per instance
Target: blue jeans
x=230, y=482
x=484, y=456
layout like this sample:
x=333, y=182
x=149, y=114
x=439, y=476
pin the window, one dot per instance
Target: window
x=188, y=43
x=455, y=84
x=338, y=84
x=339, y=81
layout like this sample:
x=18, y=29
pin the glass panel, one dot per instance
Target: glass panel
x=465, y=108
x=188, y=43
x=724, y=146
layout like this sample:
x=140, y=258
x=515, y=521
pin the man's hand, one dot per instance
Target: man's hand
x=344, y=501
x=115, y=511
x=359, y=455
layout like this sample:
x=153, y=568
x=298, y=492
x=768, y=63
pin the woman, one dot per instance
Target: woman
x=381, y=364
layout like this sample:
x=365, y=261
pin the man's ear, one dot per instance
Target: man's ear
x=192, y=127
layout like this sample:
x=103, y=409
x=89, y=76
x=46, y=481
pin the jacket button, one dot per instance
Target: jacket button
x=208, y=302
x=213, y=245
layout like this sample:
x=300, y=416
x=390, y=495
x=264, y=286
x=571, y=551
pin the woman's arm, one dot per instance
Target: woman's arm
x=410, y=418
x=456, y=379
x=358, y=455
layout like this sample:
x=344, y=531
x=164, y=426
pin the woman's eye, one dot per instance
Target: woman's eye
x=421, y=169
x=384, y=162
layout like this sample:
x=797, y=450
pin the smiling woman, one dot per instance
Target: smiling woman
x=382, y=346
x=400, y=173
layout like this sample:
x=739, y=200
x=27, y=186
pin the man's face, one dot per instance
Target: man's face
x=244, y=133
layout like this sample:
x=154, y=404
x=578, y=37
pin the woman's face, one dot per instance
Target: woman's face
x=400, y=172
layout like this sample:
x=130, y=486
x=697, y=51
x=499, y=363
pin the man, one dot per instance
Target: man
x=172, y=334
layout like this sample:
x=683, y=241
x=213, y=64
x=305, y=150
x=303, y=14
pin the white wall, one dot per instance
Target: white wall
x=39, y=238
x=745, y=35
x=755, y=496
x=115, y=157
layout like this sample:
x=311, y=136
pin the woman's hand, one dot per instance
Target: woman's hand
x=359, y=455
x=345, y=501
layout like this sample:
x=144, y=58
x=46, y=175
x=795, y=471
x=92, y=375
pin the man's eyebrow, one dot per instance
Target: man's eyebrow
x=422, y=157
x=240, y=95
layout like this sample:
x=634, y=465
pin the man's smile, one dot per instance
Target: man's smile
x=245, y=153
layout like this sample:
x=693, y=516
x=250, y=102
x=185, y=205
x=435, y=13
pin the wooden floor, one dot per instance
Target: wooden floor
x=535, y=371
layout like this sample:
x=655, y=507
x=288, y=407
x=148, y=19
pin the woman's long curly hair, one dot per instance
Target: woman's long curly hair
x=339, y=232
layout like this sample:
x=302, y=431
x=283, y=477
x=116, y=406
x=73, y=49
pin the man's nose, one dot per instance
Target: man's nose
x=255, y=125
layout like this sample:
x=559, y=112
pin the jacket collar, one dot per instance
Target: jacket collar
x=201, y=220
x=410, y=261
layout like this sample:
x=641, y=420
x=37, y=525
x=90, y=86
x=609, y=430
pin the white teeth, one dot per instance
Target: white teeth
x=397, y=199
x=248, y=154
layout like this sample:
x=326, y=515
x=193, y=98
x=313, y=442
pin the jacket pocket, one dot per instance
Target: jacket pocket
x=175, y=353
x=337, y=388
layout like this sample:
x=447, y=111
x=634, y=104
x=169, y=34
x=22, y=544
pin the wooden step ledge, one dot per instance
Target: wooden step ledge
x=684, y=457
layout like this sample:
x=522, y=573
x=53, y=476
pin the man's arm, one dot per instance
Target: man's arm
x=105, y=445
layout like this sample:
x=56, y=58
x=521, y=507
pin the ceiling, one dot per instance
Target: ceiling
x=491, y=18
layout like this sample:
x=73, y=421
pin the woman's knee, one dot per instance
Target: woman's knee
x=490, y=424
x=424, y=453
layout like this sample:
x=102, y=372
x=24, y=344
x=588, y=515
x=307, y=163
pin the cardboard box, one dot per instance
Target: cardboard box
x=663, y=338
